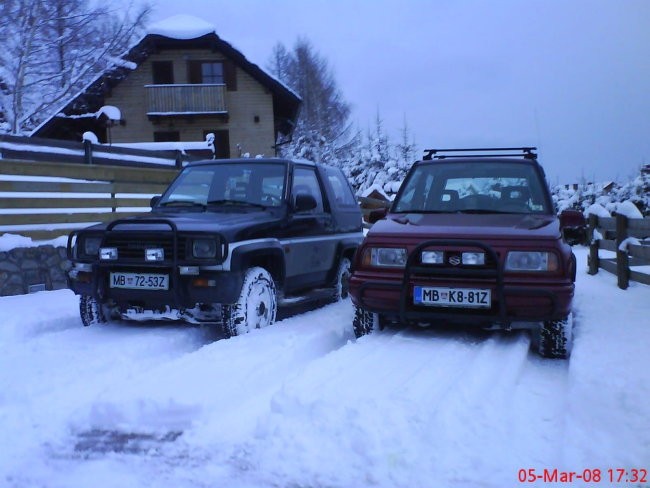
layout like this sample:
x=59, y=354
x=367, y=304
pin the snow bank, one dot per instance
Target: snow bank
x=12, y=241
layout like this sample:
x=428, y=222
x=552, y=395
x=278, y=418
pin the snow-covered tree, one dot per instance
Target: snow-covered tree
x=609, y=196
x=323, y=128
x=51, y=49
x=379, y=162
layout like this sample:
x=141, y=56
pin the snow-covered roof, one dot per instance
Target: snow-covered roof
x=182, y=27
x=374, y=188
x=173, y=32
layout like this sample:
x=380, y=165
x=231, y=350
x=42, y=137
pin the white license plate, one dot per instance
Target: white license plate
x=452, y=297
x=139, y=281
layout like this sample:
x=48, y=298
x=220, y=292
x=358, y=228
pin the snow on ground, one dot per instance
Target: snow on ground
x=304, y=404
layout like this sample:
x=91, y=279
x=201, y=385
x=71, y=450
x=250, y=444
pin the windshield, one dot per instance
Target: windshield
x=473, y=187
x=254, y=184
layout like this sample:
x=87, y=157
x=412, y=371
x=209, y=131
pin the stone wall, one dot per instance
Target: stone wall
x=29, y=269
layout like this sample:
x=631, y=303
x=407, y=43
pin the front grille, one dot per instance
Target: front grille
x=131, y=246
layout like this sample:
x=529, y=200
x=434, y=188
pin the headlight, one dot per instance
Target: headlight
x=473, y=258
x=108, y=253
x=391, y=257
x=204, y=248
x=531, y=261
x=91, y=245
x=432, y=257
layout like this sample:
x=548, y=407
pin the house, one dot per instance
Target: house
x=181, y=82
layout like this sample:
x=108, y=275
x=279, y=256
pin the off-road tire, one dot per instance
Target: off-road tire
x=556, y=338
x=342, y=284
x=256, y=306
x=364, y=322
x=91, y=311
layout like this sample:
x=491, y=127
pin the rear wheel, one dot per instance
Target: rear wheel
x=556, y=338
x=91, y=311
x=256, y=306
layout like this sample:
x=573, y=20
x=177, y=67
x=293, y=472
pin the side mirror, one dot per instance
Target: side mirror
x=377, y=214
x=573, y=227
x=303, y=202
x=154, y=200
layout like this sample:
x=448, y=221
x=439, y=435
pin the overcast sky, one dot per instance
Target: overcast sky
x=569, y=76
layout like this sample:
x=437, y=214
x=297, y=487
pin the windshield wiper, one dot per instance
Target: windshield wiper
x=486, y=211
x=227, y=201
x=182, y=203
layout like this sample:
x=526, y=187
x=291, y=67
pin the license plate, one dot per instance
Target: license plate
x=139, y=281
x=452, y=297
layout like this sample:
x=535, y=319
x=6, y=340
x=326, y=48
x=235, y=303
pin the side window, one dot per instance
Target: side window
x=306, y=181
x=342, y=192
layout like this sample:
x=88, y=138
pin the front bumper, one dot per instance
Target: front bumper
x=510, y=303
x=185, y=290
x=514, y=298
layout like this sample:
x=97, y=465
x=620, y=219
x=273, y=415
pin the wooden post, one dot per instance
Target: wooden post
x=594, y=261
x=622, y=258
x=88, y=152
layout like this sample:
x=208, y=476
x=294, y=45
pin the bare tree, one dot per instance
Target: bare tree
x=51, y=49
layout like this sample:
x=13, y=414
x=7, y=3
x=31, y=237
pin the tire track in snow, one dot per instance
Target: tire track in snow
x=223, y=400
x=424, y=393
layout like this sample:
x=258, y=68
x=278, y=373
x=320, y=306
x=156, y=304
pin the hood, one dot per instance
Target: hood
x=465, y=226
x=231, y=225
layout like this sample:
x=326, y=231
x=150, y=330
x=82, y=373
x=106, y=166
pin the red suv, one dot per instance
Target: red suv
x=471, y=238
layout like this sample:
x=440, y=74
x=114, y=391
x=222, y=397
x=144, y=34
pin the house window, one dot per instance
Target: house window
x=204, y=72
x=166, y=136
x=221, y=142
x=163, y=72
x=213, y=72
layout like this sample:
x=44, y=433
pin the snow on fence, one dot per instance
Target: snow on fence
x=44, y=200
x=628, y=240
x=54, y=150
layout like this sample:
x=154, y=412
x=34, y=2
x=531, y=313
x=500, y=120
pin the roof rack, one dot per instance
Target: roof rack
x=508, y=152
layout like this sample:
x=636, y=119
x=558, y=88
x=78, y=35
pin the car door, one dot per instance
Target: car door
x=309, y=241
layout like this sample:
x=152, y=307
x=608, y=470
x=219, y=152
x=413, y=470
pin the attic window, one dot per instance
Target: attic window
x=163, y=72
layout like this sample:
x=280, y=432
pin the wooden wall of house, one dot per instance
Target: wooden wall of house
x=249, y=101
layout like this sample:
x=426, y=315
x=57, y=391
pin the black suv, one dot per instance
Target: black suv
x=471, y=238
x=226, y=242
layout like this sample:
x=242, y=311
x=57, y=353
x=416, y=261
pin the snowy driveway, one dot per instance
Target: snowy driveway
x=302, y=404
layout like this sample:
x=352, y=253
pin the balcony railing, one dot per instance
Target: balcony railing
x=186, y=99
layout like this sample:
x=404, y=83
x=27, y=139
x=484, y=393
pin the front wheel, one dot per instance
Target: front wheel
x=364, y=322
x=342, y=285
x=91, y=311
x=556, y=338
x=256, y=306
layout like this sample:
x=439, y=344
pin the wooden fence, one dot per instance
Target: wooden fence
x=44, y=200
x=54, y=150
x=622, y=236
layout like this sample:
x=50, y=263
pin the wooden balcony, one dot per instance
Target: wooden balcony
x=170, y=100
